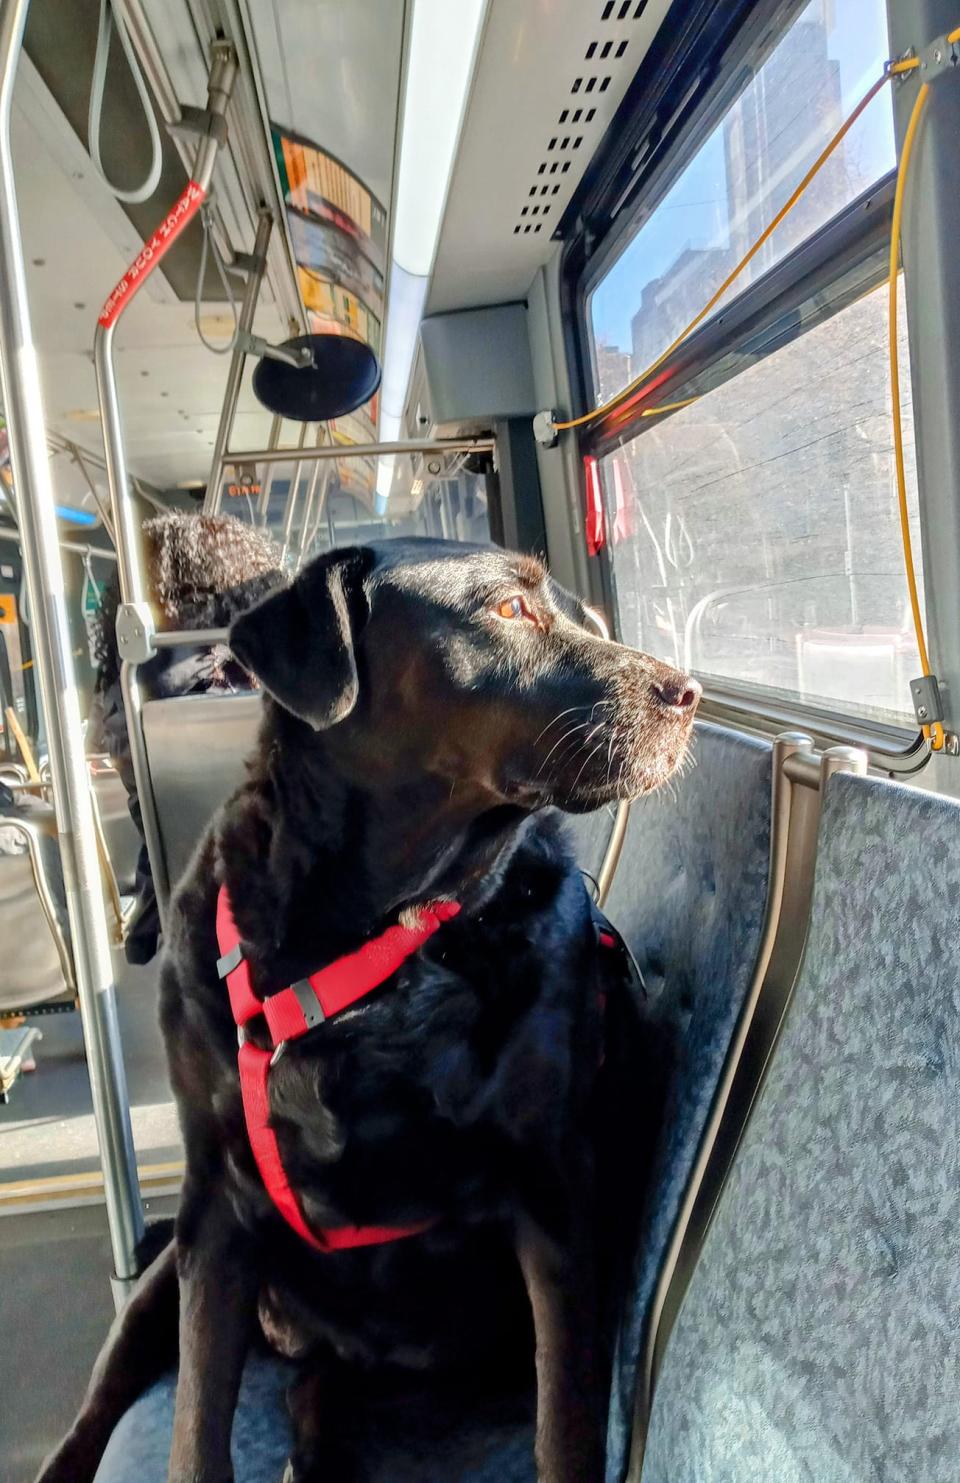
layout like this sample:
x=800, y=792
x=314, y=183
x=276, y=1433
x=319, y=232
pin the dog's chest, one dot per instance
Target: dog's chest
x=413, y=1100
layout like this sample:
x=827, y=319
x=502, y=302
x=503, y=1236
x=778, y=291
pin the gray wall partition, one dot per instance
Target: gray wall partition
x=559, y=466
x=931, y=234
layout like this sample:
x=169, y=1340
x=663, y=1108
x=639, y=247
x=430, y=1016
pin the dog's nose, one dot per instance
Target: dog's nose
x=680, y=692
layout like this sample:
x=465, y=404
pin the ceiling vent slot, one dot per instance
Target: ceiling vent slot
x=622, y=11
x=612, y=51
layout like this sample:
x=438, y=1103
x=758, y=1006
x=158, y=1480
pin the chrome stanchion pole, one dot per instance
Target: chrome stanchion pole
x=293, y=495
x=53, y=660
x=263, y=504
x=238, y=359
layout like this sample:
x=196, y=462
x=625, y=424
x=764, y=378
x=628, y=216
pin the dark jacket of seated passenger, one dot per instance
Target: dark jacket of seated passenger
x=204, y=570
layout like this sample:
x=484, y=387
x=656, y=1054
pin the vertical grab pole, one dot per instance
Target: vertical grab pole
x=20, y=379
x=231, y=395
x=292, y=499
x=263, y=504
x=135, y=626
x=311, y=499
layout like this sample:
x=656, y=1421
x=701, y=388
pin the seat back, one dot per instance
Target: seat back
x=818, y=1338
x=589, y=836
x=196, y=747
x=689, y=897
x=33, y=963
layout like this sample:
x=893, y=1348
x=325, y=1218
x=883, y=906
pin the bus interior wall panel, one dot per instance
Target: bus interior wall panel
x=557, y=466
x=930, y=234
x=476, y=365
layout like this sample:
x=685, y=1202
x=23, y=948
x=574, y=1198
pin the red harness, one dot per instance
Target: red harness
x=290, y=1014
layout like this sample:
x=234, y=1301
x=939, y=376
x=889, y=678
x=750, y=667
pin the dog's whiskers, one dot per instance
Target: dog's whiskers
x=559, y=717
x=572, y=731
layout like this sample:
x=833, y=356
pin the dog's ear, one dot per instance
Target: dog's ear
x=299, y=642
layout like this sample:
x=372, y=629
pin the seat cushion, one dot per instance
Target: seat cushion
x=689, y=897
x=819, y=1338
x=411, y=1440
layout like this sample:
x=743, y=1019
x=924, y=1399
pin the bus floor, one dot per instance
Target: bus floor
x=55, y=1297
x=56, y=1307
x=48, y=1141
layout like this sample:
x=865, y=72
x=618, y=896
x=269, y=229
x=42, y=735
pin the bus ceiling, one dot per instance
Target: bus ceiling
x=457, y=217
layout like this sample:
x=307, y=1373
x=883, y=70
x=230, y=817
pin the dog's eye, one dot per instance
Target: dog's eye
x=514, y=607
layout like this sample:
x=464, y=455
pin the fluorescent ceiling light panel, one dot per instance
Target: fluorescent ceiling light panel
x=443, y=44
x=444, y=36
x=407, y=297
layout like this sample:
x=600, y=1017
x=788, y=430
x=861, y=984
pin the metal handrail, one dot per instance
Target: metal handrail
x=293, y=495
x=361, y=450
x=79, y=548
x=53, y=662
x=618, y=834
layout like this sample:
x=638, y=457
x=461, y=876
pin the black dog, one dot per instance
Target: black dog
x=424, y=702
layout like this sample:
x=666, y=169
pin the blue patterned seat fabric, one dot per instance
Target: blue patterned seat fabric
x=446, y=1441
x=819, y=1341
x=689, y=897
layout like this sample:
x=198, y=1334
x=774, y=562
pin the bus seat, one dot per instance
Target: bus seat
x=689, y=897
x=411, y=1440
x=818, y=1338
x=37, y=968
x=196, y=747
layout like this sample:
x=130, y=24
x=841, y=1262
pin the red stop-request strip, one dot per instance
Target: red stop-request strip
x=149, y=256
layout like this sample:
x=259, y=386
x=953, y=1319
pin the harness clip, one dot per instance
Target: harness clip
x=229, y=961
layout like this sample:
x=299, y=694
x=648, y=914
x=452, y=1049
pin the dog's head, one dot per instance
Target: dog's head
x=470, y=664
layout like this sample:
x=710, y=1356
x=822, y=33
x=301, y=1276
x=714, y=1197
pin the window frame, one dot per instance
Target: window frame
x=838, y=264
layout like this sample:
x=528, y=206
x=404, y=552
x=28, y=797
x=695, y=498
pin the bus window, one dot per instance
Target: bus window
x=337, y=501
x=754, y=533
x=740, y=177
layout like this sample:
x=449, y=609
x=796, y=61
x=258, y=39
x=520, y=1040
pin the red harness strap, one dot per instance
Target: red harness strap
x=290, y=1014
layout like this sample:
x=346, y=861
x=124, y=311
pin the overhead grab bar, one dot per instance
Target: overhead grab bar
x=361, y=450
x=23, y=404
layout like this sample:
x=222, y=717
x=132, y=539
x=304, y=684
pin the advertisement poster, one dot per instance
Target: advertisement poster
x=339, y=233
